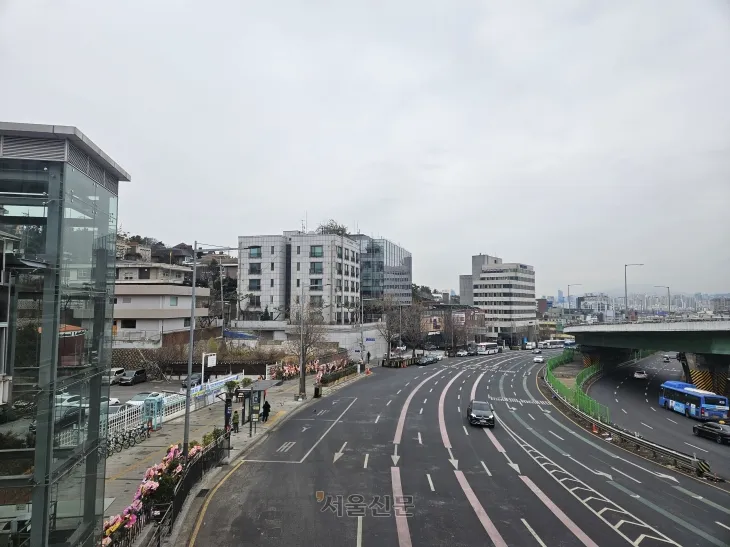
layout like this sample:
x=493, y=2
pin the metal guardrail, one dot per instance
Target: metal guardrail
x=680, y=460
x=646, y=321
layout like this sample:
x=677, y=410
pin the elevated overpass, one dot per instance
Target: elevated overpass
x=703, y=346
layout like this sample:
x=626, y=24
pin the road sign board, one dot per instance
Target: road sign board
x=212, y=358
x=370, y=339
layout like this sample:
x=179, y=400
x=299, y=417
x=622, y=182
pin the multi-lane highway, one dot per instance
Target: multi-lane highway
x=634, y=405
x=391, y=461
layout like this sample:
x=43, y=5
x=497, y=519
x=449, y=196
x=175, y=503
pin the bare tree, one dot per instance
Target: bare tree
x=453, y=332
x=308, y=333
x=414, y=332
x=388, y=326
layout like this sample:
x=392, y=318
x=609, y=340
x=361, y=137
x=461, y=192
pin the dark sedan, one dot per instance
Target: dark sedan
x=720, y=433
x=426, y=360
x=64, y=417
x=131, y=377
x=195, y=380
x=480, y=413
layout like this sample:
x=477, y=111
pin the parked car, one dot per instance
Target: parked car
x=666, y=358
x=480, y=413
x=538, y=359
x=719, y=432
x=115, y=374
x=471, y=352
x=195, y=380
x=400, y=348
x=132, y=377
x=64, y=417
x=462, y=353
x=640, y=375
x=138, y=399
x=426, y=360
x=537, y=351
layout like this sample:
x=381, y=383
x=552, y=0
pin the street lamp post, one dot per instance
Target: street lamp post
x=302, y=367
x=669, y=298
x=569, y=286
x=626, y=290
x=191, y=344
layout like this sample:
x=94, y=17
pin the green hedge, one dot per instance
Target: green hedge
x=575, y=396
x=336, y=375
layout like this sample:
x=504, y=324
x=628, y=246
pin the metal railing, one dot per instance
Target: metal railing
x=591, y=413
x=645, y=320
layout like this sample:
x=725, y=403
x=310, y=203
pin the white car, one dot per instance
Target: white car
x=640, y=375
x=538, y=359
x=400, y=348
x=437, y=356
x=537, y=351
x=462, y=353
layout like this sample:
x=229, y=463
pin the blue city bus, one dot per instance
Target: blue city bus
x=696, y=403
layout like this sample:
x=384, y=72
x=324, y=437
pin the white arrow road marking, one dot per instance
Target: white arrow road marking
x=511, y=464
x=304, y=428
x=453, y=462
x=338, y=454
x=395, y=457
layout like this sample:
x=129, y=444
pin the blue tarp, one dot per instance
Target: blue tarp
x=238, y=335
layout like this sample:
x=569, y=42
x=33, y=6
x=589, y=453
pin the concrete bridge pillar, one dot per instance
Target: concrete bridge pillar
x=707, y=371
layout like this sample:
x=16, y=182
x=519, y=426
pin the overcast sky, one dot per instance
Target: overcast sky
x=575, y=136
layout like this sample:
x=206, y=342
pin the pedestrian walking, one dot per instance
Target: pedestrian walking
x=265, y=413
x=235, y=421
x=368, y=358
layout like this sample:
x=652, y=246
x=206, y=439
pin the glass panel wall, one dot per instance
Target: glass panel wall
x=58, y=233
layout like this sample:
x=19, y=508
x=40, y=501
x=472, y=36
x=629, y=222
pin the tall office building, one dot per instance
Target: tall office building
x=58, y=195
x=277, y=272
x=387, y=270
x=506, y=292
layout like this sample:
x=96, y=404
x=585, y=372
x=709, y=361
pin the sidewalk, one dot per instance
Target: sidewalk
x=124, y=470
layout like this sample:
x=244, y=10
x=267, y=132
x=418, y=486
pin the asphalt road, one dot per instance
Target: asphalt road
x=398, y=442
x=124, y=393
x=634, y=404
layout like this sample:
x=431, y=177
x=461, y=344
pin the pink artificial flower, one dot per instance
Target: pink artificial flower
x=106, y=542
x=132, y=521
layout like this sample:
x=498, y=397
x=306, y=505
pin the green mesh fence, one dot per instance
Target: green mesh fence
x=575, y=396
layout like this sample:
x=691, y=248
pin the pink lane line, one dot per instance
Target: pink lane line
x=401, y=521
x=562, y=517
x=442, y=422
x=495, y=442
x=404, y=410
x=489, y=526
x=473, y=394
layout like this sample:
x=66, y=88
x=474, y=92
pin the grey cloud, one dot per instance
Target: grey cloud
x=570, y=135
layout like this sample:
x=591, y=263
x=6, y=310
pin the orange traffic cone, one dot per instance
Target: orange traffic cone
x=595, y=429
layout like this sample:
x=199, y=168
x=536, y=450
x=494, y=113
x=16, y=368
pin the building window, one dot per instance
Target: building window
x=255, y=300
x=271, y=299
x=271, y=283
x=129, y=323
x=298, y=282
x=254, y=252
x=316, y=268
x=254, y=268
x=186, y=322
x=347, y=285
x=298, y=266
x=272, y=250
x=316, y=251
x=339, y=268
x=126, y=299
x=357, y=272
x=296, y=299
x=298, y=249
x=339, y=252
x=315, y=301
x=254, y=284
x=338, y=284
x=173, y=301
x=357, y=257
x=315, y=285
x=347, y=254
x=347, y=269
x=272, y=266
x=357, y=287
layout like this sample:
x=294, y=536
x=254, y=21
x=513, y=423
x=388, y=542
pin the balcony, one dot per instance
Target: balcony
x=318, y=288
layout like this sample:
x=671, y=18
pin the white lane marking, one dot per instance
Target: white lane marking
x=723, y=525
x=424, y=401
x=430, y=390
x=534, y=534
x=556, y=435
x=484, y=465
x=459, y=409
x=530, y=415
x=616, y=400
x=407, y=384
x=625, y=475
x=365, y=465
x=460, y=387
x=486, y=522
x=359, y=531
x=327, y=431
x=430, y=482
x=377, y=418
x=465, y=431
x=421, y=411
x=697, y=447
x=646, y=425
x=286, y=446
x=672, y=421
x=622, y=410
x=654, y=409
x=399, y=392
x=647, y=400
x=459, y=397
x=419, y=438
x=386, y=404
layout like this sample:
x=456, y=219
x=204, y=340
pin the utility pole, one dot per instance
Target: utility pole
x=302, y=366
x=223, y=312
x=191, y=345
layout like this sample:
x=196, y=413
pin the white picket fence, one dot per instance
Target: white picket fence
x=173, y=407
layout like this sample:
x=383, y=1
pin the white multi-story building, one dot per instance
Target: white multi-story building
x=151, y=300
x=275, y=272
x=506, y=293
